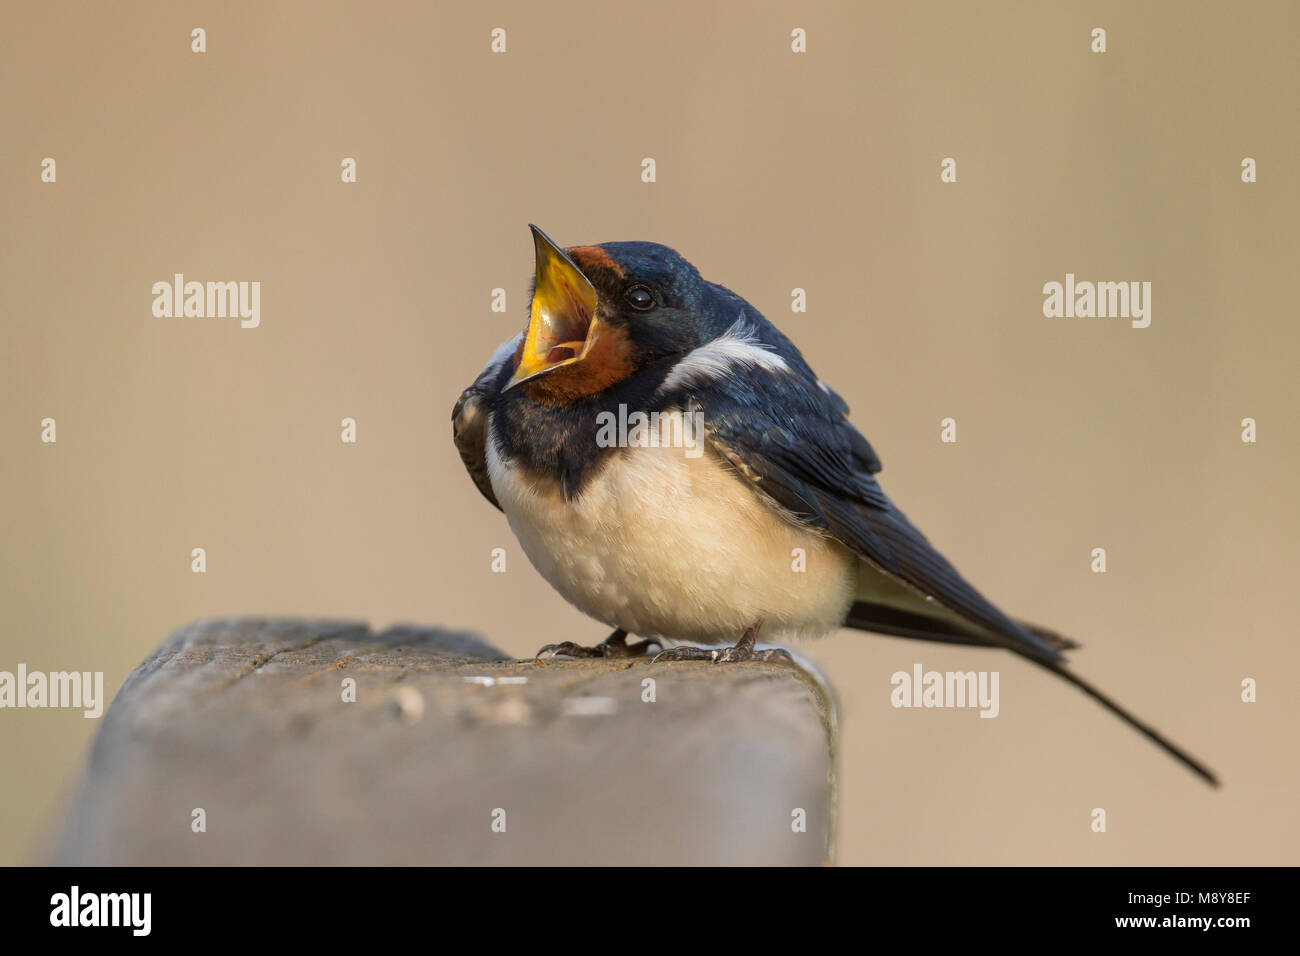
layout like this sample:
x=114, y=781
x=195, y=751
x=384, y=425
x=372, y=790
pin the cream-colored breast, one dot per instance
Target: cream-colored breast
x=666, y=545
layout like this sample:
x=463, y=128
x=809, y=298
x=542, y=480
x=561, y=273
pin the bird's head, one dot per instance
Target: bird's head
x=602, y=313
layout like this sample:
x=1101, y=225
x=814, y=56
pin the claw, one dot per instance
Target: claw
x=568, y=649
x=613, y=646
x=742, y=651
x=686, y=653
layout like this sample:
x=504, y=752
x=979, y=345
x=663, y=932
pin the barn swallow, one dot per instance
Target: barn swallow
x=702, y=548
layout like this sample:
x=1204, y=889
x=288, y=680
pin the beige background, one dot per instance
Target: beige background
x=775, y=171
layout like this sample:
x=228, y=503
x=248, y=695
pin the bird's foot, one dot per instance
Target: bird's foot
x=615, y=645
x=743, y=650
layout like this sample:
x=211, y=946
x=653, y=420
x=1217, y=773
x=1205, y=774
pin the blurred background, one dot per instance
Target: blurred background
x=775, y=170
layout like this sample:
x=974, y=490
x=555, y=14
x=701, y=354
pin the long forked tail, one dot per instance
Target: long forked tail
x=1190, y=762
x=884, y=619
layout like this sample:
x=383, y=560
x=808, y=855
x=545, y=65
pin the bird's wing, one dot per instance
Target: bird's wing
x=469, y=419
x=789, y=435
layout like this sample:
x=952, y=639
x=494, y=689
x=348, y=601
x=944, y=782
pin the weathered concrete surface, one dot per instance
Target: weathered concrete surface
x=246, y=720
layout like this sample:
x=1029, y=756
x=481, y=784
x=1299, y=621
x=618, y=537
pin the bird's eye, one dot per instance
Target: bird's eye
x=640, y=298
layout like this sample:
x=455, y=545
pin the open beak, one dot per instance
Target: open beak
x=563, y=324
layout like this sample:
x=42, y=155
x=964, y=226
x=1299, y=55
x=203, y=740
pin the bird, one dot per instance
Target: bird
x=673, y=467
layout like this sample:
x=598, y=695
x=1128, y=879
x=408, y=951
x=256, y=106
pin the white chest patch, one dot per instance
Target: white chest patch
x=665, y=545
